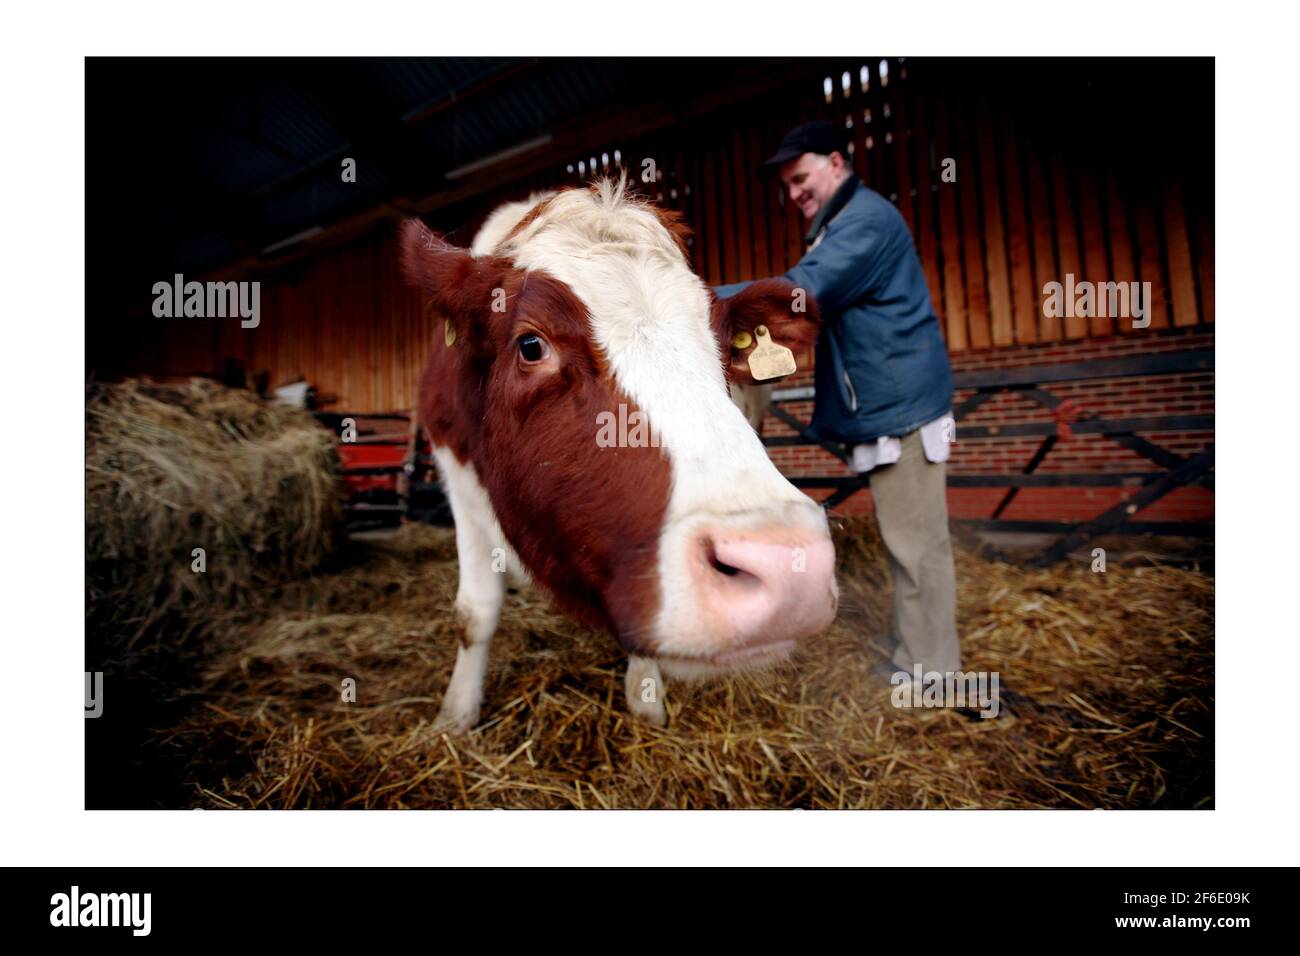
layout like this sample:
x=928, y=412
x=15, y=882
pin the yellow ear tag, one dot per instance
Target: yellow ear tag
x=448, y=332
x=742, y=340
x=769, y=360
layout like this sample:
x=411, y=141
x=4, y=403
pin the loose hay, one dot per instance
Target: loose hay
x=1107, y=701
x=171, y=468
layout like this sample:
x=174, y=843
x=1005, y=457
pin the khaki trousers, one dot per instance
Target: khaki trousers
x=912, y=511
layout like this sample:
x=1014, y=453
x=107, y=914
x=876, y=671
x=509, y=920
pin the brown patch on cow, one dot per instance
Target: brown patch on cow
x=529, y=217
x=675, y=223
x=584, y=520
x=466, y=624
x=765, y=302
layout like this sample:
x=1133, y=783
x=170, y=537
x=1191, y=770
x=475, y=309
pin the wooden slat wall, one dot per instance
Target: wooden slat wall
x=1028, y=206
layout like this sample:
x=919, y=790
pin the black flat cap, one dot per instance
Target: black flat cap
x=816, y=137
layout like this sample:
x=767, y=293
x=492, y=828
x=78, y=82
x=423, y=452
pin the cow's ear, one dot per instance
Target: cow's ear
x=463, y=289
x=788, y=313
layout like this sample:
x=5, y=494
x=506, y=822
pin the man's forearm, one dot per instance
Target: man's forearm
x=727, y=291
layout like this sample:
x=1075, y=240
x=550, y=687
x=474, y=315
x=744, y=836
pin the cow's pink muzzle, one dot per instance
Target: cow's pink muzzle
x=763, y=590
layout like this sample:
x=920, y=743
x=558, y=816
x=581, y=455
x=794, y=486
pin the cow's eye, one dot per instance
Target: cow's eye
x=532, y=348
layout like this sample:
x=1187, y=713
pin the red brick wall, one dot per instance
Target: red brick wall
x=1140, y=397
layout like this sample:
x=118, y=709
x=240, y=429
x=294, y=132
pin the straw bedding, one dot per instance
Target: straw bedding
x=1107, y=700
x=232, y=697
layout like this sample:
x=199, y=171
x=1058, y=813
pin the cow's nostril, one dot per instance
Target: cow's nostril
x=710, y=553
x=722, y=567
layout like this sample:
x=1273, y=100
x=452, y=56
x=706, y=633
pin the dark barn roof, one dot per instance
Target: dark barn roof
x=194, y=165
x=232, y=166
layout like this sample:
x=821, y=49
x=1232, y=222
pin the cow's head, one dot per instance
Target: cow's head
x=579, y=368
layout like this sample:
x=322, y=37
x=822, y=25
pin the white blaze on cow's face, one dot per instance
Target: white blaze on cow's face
x=745, y=560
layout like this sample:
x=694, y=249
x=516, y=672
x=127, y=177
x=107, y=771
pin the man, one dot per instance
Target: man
x=884, y=386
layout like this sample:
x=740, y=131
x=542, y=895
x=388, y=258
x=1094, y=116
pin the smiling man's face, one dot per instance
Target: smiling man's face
x=812, y=180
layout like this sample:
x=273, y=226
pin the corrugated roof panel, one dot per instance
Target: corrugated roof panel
x=287, y=121
x=410, y=85
x=248, y=150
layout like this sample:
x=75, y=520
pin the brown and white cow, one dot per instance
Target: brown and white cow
x=697, y=554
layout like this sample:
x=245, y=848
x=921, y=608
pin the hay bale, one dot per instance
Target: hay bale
x=171, y=468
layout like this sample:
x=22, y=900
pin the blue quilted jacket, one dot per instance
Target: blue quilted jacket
x=882, y=367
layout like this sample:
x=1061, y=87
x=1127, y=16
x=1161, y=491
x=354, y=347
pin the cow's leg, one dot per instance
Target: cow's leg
x=752, y=400
x=645, y=690
x=484, y=558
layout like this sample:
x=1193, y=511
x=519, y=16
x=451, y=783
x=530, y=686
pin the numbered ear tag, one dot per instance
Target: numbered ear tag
x=769, y=360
